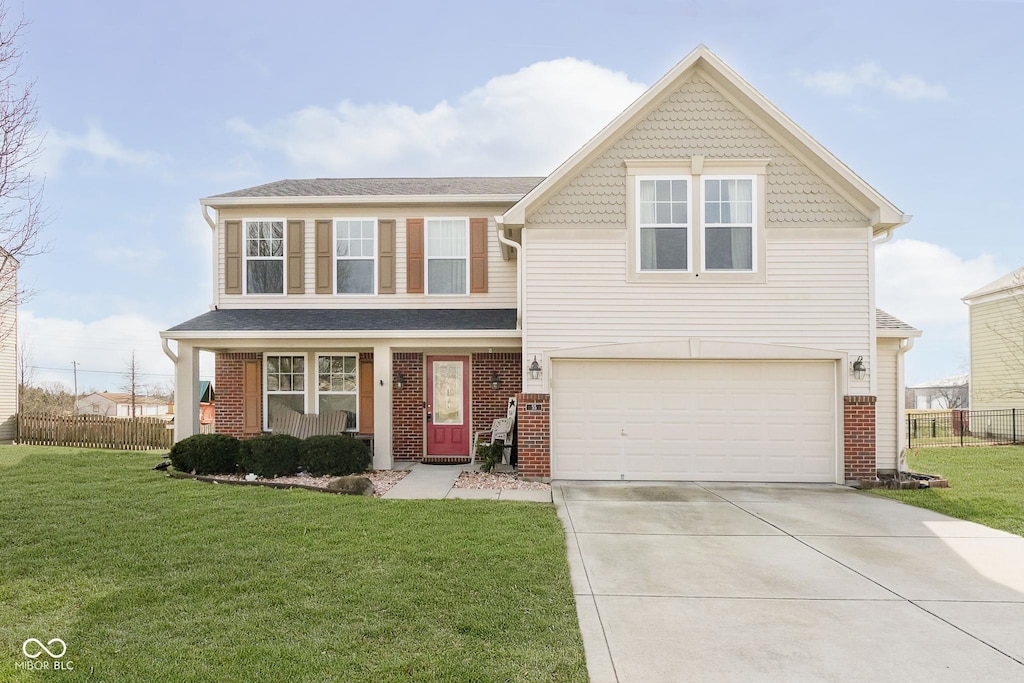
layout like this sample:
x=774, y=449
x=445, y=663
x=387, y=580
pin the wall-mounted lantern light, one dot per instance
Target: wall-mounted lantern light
x=859, y=368
x=399, y=380
x=495, y=381
x=535, y=369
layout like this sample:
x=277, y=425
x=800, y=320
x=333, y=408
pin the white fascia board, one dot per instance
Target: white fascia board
x=1005, y=293
x=228, y=335
x=898, y=334
x=219, y=202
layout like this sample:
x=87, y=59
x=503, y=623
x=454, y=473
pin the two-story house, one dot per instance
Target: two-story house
x=690, y=296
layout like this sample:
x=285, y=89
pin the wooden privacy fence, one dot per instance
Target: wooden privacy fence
x=94, y=431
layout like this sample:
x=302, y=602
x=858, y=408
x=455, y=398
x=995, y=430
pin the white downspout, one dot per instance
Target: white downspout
x=499, y=224
x=901, y=403
x=167, y=351
x=886, y=236
x=212, y=222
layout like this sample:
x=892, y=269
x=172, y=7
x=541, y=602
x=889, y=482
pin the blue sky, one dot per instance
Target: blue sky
x=149, y=106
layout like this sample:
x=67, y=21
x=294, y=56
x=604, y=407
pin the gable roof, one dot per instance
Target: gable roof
x=341, y=319
x=883, y=214
x=127, y=398
x=351, y=190
x=944, y=383
x=1014, y=280
x=888, y=325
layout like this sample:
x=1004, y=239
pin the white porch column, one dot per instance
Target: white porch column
x=382, y=407
x=186, y=392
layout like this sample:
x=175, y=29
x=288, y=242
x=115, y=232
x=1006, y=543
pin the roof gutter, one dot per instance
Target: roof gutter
x=499, y=225
x=217, y=202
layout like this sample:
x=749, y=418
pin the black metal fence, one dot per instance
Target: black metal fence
x=965, y=427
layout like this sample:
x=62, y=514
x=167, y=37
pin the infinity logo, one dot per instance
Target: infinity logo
x=44, y=648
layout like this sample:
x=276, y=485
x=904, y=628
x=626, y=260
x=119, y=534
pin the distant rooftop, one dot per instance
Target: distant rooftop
x=362, y=187
x=1010, y=281
x=945, y=382
x=886, y=321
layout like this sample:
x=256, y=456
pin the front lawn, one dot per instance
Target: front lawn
x=150, y=578
x=986, y=484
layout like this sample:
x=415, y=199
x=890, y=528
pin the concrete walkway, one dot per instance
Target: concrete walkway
x=438, y=481
x=760, y=582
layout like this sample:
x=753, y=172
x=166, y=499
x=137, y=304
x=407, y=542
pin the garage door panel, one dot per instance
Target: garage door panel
x=703, y=420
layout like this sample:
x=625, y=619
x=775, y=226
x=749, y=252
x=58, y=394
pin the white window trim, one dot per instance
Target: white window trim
x=427, y=257
x=317, y=392
x=305, y=382
x=246, y=258
x=754, y=208
x=640, y=226
x=336, y=258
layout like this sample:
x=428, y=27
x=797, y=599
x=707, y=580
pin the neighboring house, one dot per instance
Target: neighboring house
x=940, y=394
x=206, y=403
x=690, y=296
x=120, y=405
x=8, y=346
x=996, y=314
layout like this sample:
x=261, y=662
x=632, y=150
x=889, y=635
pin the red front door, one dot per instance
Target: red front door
x=447, y=405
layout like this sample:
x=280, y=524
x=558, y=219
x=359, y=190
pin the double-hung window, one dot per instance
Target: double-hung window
x=285, y=382
x=337, y=386
x=355, y=251
x=264, y=256
x=447, y=252
x=728, y=223
x=663, y=221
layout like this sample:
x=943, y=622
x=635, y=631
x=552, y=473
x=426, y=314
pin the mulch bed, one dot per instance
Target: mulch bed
x=382, y=480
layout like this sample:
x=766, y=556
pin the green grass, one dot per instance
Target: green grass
x=151, y=578
x=986, y=484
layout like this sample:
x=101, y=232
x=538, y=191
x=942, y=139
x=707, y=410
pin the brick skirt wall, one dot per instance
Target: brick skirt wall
x=228, y=383
x=859, y=438
x=534, y=436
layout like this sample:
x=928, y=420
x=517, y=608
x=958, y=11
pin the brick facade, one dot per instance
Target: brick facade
x=407, y=416
x=535, y=436
x=228, y=383
x=859, y=438
x=490, y=404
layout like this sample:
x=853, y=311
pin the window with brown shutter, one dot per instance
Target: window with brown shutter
x=324, y=257
x=366, y=397
x=252, y=397
x=296, y=257
x=414, y=255
x=478, y=255
x=386, y=256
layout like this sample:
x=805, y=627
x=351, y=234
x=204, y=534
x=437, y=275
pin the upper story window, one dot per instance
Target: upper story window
x=355, y=251
x=447, y=252
x=728, y=223
x=264, y=256
x=663, y=219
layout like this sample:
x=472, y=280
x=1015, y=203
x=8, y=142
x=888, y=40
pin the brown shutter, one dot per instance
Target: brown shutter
x=232, y=257
x=478, y=255
x=366, y=397
x=252, y=397
x=414, y=255
x=324, y=258
x=296, y=257
x=386, y=256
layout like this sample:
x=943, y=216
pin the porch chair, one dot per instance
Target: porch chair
x=501, y=430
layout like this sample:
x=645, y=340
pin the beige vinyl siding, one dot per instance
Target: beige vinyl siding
x=887, y=420
x=9, y=367
x=816, y=295
x=697, y=119
x=501, y=274
x=997, y=372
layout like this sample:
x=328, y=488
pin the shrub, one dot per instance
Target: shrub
x=335, y=454
x=206, y=454
x=270, y=455
x=490, y=455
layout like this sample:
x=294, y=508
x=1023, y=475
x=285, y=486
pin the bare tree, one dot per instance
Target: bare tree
x=952, y=397
x=22, y=217
x=26, y=371
x=51, y=398
x=131, y=385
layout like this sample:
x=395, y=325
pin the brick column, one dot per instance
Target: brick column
x=534, y=435
x=407, y=417
x=490, y=404
x=859, y=438
x=229, y=385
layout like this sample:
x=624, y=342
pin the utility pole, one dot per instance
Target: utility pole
x=74, y=370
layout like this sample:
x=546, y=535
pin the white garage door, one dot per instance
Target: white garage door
x=694, y=420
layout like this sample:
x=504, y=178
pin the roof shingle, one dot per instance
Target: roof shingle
x=350, y=319
x=353, y=187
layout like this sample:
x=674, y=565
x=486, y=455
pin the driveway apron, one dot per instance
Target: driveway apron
x=787, y=582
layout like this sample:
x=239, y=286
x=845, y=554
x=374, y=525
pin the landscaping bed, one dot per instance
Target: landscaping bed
x=382, y=480
x=497, y=480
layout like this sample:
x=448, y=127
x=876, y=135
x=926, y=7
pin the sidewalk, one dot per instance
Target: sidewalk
x=438, y=481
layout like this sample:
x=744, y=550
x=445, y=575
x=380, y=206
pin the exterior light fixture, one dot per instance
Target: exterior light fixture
x=399, y=380
x=495, y=381
x=859, y=368
x=535, y=369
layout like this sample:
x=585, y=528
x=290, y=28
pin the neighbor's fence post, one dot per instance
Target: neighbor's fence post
x=962, y=430
x=1013, y=416
x=910, y=436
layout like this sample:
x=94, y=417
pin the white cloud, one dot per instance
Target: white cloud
x=102, y=349
x=96, y=144
x=870, y=76
x=922, y=283
x=522, y=123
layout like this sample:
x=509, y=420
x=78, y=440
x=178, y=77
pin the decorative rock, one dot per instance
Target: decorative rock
x=351, y=485
x=250, y=477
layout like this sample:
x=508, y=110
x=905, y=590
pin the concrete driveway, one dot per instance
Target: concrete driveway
x=754, y=582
